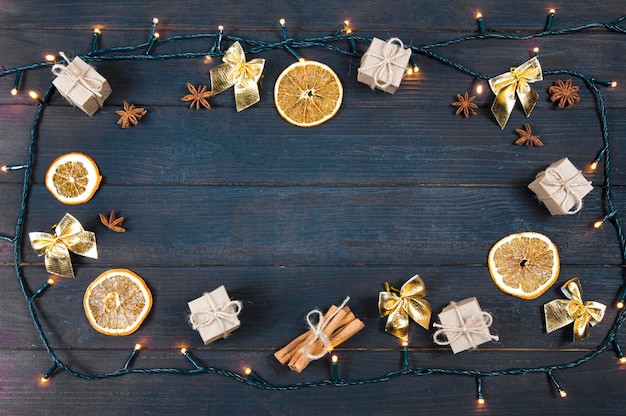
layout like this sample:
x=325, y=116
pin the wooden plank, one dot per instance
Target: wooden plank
x=435, y=394
x=322, y=225
x=277, y=299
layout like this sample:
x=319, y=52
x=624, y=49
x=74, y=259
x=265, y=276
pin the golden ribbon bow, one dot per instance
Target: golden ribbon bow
x=561, y=312
x=507, y=85
x=243, y=75
x=69, y=235
x=408, y=303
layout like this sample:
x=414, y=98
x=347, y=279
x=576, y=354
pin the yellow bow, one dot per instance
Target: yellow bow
x=561, y=312
x=69, y=235
x=243, y=75
x=506, y=85
x=398, y=308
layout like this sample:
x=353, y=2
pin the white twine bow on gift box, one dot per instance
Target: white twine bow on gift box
x=318, y=331
x=215, y=313
x=475, y=325
x=77, y=76
x=383, y=75
x=554, y=178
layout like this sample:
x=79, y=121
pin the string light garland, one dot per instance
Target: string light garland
x=343, y=34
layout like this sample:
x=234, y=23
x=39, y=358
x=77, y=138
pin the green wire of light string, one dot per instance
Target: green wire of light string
x=291, y=44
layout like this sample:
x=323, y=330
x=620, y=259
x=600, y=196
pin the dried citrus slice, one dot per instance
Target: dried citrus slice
x=307, y=93
x=73, y=178
x=524, y=265
x=117, y=302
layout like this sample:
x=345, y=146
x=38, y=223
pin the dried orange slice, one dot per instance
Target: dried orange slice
x=73, y=178
x=524, y=265
x=117, y=302
x=308, y=93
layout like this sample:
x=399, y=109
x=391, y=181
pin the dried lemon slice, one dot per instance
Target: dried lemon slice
x=308, y=93
x=524, y=265
x=117, y=302
x=73, y=178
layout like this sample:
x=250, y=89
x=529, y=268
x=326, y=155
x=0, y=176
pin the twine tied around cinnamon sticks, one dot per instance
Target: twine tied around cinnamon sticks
x=333, y=328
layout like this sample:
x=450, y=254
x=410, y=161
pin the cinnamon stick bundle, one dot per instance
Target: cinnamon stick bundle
x=341, y=327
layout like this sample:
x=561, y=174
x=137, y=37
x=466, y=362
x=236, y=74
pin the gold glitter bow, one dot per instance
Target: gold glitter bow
x=243, y=75
x=69, y=235
x=407, y=303
x=561, y=312
x=507, y=85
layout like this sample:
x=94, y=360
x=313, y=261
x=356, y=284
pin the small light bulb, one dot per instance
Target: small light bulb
x=536, y=50
x=155, y=20
x=14, y=91
x=334, y=359
x=247, y=371
x=50, y=58
x=208, y=59
x=479, y=15
x=597, y=224
x=562, y=393
x=479, y=89
x=33, y=95
x=613, y=84
x=346, y=22
x=622, y=360
x=51, y=281
x=619, y=305
x=282, y=22
x=96, y=31
x=593, y=166
x=481, y=401
x=409, y=71
x=220, y=28
x=405, y=343
x=156, y=35
x=348, y=31
x=3, y=168
x=137, y=347
x=301, y=60
x=552, y=11
x=44, y=379
x=183, y=350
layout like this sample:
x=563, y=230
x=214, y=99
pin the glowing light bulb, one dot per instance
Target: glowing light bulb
x=44, y=379
x=622, y=360
x=301, y=60
x=156, y=35
x=619, y=305
x=479, y=15
x=14, y=91
x=416, y=68
x=552, y=11
x=334, y=359
x=208, y=59
x=51, y=281
x=220, y=28
x=3, y=168
x=405, y=343
x=409, y=71
x=479, y=89
x=96, y=31
x=33, y=95
x=137, y=347
x=247, y=371
x=348, y=31
x=481, y=401
x=155, y=20
x=282, y=22
x=613, y=84
x=536, y=50
x=50, y=58
x=593, y=166
x=346, y=22
x=597, y=224
x=562, y=393
x=183, y=350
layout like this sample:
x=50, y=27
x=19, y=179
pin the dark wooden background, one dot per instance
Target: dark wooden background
x=290, y=219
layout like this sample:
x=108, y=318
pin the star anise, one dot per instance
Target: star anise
x=113, y=223
x=565, y=93
x=198, y=97
x=526, y=137
x=465, y=105
x=130, y=115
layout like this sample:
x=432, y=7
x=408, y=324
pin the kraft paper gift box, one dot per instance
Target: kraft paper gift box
x=214, y=315
x=464, y=314
x=561, y=188
x=383, y=65
x=81, y=85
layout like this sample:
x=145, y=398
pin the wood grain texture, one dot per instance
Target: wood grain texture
x=292, y=219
